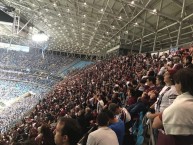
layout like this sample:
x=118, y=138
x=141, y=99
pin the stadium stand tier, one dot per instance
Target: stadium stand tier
x=96, y=72
x=132, y=82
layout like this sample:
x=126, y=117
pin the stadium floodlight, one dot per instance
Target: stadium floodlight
x=40, y=37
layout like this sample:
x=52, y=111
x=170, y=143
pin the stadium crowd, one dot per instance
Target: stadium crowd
x=44, y=80
x=33, y=60
x=112, y=93
x=12, y=105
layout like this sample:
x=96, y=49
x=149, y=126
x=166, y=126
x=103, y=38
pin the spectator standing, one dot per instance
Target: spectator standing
x=177, y=119
x=117, y=125
x=188, y=62
x=103, y=135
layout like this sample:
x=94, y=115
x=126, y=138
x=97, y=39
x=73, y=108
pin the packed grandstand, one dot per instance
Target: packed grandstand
x=134, y=82
x=96, y=72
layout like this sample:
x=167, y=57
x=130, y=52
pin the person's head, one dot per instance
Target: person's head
x=188, y=59
x=131, y=92
x=134, y=83
x=99, y=97
x=142, y=82
x=151, y=73
x=165, y=62
x=169, y=75
x=184, y=81
x=45, y=130
x=103, y=119
x=67, y=132
x=176, y=59
x=159, y=80
x=151, y=81
x=110, y=115
x=87, y=110
x=114, y=108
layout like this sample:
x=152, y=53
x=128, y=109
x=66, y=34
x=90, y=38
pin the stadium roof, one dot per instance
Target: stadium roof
x=96, y=26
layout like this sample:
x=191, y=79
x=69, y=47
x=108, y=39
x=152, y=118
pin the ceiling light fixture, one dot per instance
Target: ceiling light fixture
x=84, y=4
x=154, y=11
x=120, y=18
x=136, y=24
x=40, y=37
x=54, y=4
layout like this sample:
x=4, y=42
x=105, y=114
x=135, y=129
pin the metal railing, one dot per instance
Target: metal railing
x=148, y=122
x=81, y=141
x=152, y=138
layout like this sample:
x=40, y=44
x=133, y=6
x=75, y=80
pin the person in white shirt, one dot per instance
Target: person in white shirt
x=100, y=104
x=177, y=119
x=103, y=135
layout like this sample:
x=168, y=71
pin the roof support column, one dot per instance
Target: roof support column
x=133, y=39
x=180, y=27
x=142, y=34
x=157, y=26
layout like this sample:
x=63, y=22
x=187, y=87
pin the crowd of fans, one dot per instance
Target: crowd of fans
x=12, y=105
x=117, y=89
x=44, y=80
x=33, y=60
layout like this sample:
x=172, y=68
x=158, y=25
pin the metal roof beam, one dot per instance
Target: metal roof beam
x=168, y=26
x=166, y=39
x=157, y=26
x=151, y=10
x=142, y=33
x=181, y=21
x=132, y=19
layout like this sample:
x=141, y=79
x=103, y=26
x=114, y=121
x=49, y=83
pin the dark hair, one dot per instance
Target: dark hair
x=185, y=78
x=112, y=107
x=45, y=130
x=165, y=61
x=152, y=79
x=103, y=119
x=151, y=73
x=134, y=82
x=161, y=79
x=132, y=92
x=189, y=58
x=143, y=81
x=71, y=129
x=109, y=113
